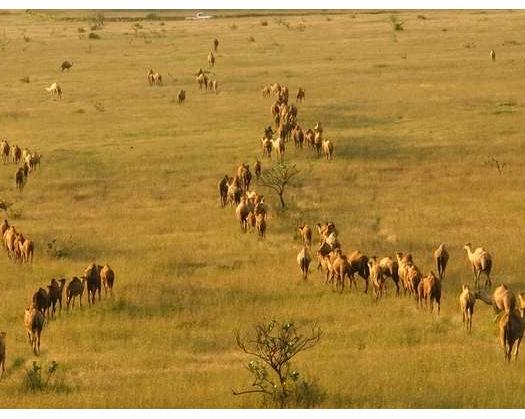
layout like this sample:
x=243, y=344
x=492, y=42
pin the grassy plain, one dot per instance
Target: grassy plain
x=414, y=116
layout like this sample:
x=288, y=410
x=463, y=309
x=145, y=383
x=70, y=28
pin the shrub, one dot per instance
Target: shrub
x=233, y=27
x=251, y=39
x=93, y=35
x=25, y=79
x=152, y=16
x=273, y=347
x=396, y=25
x=81, y=30
x=264, y=23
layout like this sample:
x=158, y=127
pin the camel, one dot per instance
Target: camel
x=376, y=277
x=298, y=137
x=211, y=59
x=260, y=225
x=402, y=270
x=266, y=91
x=20, y=179
x=55, y=90
x=216, y=44
x=502, y=299
x=241, y=212
x=358, y=263
x=390, y=269
x=278, y=146
x=2, y=353
x=511, y=327
x=66, y=65
x=27, y=250
x=41, y=301
x=4, y=150
x=306, y=234
x=181, y=97
x=154, y=78
x=303, y=260
x=74, y=289
x=245, y=176
x=412, y=278
x=318, y=128
x=202, y=79
x=16, y=153
x=234, y=192
x=55, y=294
x=275, y=88
x=300, y=95
x=215, y=86
x=34, y=322
x=93, y=282
x=338, y=267
x=493, y=55
x=257, y=168
x=223, y=190
x=318, y=144
x=328, y=149
x=440, y=256
x=267, y=147
x=481, y=261
x=4, y=227
x=309, y=136
x=107, y=277
x=467, y=300
x=521, y=301
x=429, y=291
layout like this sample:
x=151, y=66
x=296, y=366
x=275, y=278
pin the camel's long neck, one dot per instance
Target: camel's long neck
x=486, y=298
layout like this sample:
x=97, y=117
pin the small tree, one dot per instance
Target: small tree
x=277, y=178
x=274, y=346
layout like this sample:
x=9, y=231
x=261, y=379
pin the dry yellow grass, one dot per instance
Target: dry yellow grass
x=129, y=177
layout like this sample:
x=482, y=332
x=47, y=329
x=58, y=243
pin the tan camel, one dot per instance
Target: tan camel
x=492, y=55
x=521, y=301
x=441, y=259
x=390, y=269
x=511, y=327
x=481, y=261
x=306, y=234
x=467, y=300
x=429, y=291
x=303, y=260
x=502, y=299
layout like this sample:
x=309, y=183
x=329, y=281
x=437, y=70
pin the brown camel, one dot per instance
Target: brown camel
x=511, y=327
x=441, y=259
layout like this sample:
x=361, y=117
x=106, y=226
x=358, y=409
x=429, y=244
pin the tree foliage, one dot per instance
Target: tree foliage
x=274, y=345
x=277, y=178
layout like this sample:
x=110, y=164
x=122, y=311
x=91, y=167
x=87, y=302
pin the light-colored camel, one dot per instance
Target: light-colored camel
x=328, y=149
x=481, y=261
x=511, y=327
x=4, y=149
x=241, y=212
x=279, y=147
x=34, y=322
x=413, y=277
x=55, y=90
x=467, y=301
x=521, y=303
x=390, y=269
x=107, y=276
x=211, y=59
x=429, y=291
x=266, y=91
x=492, y=55
x=303, y=260
x=440, y=257
x=306, y=234
x=376, y=277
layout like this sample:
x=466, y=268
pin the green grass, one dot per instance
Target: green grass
x=414, y=120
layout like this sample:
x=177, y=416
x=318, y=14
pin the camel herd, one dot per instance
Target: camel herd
x=336, y=266
x=18, y=248
x=284, y=116
x=44, y=302
x=250, y=209
x=28, y=160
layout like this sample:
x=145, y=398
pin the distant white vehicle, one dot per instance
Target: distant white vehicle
x=199, y=16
